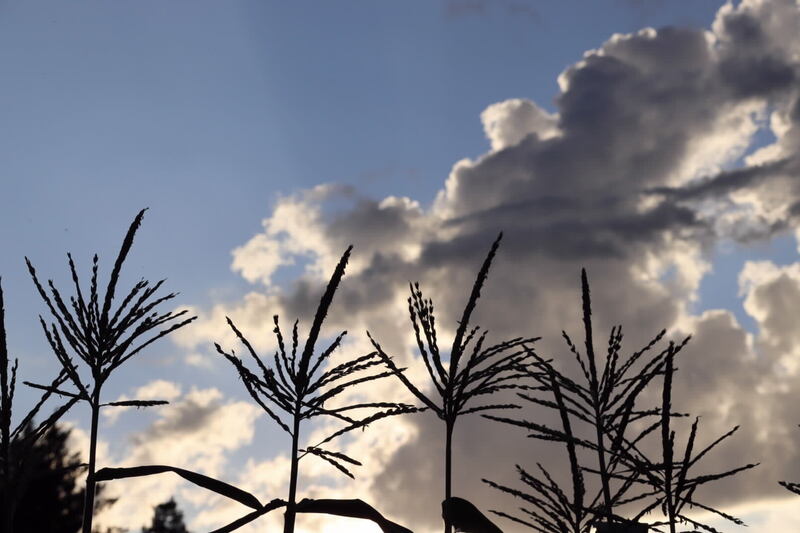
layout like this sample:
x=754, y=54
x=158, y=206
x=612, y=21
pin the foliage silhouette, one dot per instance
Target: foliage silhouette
x=352, y=509
x=214, y=485
x=48, y=499
x=102, y=338
x=18, y=443
x=669, y=480
x=484, y=371
x=464, y=516
x=167, y=518
x=301, y=384
x=298, y=389
x=605, y=402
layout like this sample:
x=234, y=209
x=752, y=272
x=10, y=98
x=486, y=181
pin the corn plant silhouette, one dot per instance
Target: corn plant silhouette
x=17, y=442
x=299, y=389
x=670, y=482
x=605, y=402
x=484, y=370
x=103, y=338
x=554, y=511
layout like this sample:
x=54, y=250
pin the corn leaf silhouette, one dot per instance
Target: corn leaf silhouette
x=296, y=387
x=102, y=337
x=464, y=516
x=246, y=519
x=351, y=509
x=473, y=371
x=792, y=487
x=209, y=483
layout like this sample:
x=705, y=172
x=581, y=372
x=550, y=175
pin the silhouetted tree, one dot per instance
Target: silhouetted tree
x=167, y=518
x=48, y=498
x=17, y=442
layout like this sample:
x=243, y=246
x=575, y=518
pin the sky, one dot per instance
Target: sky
x=654, y=143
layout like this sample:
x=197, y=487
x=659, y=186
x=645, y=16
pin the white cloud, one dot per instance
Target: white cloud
x=197, y=431
x=507, y=123
x=294, y=229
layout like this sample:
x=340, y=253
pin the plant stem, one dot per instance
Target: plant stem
x=594, y=386
x=448, y=467
x=667, y=438
x=88, y=503
x=288, y=522
x=5, y=424
x=7, y=524
x=601, y=459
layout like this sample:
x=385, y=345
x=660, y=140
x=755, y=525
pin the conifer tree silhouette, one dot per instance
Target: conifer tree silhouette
x=167, y=518
x=48, y=498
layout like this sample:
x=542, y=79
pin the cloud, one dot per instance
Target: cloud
x=197, y=431
x=293, y=230
x=507, y=123
x=645, y=166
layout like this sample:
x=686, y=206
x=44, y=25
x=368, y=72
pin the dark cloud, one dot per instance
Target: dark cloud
x=729, y=181
x=757, y=76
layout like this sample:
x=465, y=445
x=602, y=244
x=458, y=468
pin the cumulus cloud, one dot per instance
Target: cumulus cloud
x=644, y=167
x=507, y=123
x=197, y=431
x=294, y=230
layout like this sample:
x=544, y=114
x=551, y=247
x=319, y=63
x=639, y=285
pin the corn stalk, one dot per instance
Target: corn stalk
x=299, y=386
x=474, y=370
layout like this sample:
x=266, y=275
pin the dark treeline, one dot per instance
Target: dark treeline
x=615, y=480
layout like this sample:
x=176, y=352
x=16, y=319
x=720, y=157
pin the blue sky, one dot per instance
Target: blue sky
x=206, y=112
x=213, y=113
